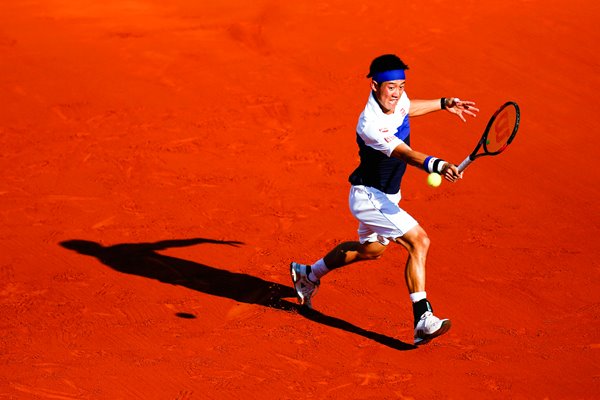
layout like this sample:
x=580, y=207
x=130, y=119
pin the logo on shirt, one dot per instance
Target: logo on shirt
x=386, y=131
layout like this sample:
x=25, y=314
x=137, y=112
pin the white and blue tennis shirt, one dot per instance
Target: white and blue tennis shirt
x=377, y=135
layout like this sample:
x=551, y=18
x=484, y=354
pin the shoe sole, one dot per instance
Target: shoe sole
x=446, y=325
x=294, y=280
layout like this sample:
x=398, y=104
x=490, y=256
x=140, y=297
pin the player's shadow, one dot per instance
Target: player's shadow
x=143, y=259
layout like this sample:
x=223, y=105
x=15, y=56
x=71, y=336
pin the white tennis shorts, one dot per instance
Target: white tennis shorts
x=379, y=215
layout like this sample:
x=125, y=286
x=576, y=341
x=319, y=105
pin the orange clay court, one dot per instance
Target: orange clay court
x=162, y=163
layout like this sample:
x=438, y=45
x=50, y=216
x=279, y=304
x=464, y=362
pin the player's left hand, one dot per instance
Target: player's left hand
x=459, y=107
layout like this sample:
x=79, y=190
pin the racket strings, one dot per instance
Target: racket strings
x=501, y=130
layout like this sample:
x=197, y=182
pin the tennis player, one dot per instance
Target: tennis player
x=383, y=137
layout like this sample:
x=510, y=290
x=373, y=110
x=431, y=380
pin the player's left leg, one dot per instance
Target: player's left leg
x=350, y=252
x=307, y=278
x=305, y=287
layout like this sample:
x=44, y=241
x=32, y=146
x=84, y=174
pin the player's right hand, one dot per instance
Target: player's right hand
x=450, y=172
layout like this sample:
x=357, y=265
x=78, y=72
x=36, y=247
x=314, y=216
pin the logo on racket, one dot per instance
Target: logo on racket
x=499, y=133
x=502, y=127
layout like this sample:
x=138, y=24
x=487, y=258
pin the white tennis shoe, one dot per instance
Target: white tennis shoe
x=305, y=288
x=429, y=327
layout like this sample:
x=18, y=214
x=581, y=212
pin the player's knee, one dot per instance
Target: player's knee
x=422, y=243
x=418, y=243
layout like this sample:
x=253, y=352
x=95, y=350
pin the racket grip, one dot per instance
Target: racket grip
x=465, y=164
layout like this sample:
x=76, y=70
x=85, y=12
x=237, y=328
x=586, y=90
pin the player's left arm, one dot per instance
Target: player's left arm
x=453, y=105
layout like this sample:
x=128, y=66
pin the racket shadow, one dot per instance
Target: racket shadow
x=143, y=259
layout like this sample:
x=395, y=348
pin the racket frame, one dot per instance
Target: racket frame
x=483, y=141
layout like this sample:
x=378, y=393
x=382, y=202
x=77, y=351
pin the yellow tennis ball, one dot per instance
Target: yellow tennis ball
x=434, y=179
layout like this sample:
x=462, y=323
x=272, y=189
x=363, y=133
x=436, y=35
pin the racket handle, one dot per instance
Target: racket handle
x=465, y=164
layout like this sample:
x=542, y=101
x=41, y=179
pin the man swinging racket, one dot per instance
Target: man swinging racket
x=383, y=137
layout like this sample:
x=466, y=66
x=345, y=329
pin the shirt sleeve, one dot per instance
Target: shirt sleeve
x=379, y=138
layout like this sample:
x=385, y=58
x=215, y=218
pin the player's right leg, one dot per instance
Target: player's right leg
x=427, y=325
x=416, y=242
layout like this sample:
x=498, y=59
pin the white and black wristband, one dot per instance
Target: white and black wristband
x=433, y=164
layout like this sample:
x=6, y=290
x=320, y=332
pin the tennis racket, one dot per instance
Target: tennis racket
x=499, y=133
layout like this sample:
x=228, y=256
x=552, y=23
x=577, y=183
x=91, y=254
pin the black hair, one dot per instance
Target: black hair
x=386, y=62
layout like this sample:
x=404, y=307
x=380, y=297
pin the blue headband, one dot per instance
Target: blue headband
x=392, y=75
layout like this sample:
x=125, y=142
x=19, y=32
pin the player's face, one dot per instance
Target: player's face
x=388, y=94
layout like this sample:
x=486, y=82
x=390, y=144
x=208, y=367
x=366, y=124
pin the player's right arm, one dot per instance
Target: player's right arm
x=417, y=159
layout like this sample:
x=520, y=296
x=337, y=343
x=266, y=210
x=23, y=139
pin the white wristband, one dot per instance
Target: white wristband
x=434, y=164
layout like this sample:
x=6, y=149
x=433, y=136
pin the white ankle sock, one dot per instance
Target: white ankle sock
x=418, y=296
x=318, y=270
